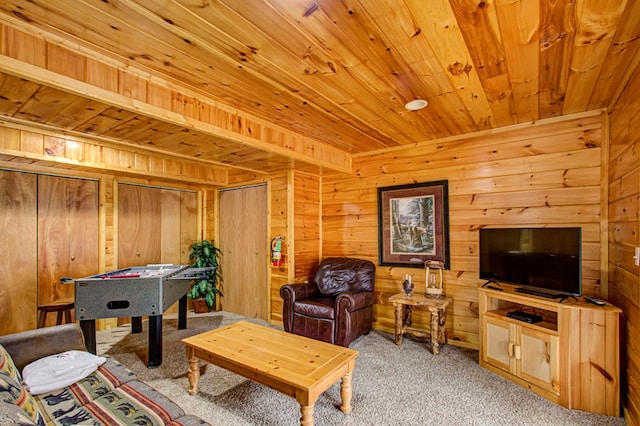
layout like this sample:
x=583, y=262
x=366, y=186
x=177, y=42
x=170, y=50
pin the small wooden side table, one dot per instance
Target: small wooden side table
x=438, y=309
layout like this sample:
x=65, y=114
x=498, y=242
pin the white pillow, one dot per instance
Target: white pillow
x=58, y=371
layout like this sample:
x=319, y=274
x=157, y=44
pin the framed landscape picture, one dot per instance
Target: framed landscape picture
x=413, y=224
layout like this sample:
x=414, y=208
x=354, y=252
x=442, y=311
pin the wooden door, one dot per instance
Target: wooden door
x=18, y=252
x=67, y=235
x=139, y=225
x=245, y=251
x=155, y=225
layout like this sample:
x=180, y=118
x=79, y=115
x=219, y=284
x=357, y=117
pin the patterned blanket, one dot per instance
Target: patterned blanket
x=109, y=396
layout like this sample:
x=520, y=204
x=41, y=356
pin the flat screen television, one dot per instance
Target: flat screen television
x=545, y=260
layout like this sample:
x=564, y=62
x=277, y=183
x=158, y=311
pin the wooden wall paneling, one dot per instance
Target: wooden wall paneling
x=107, y=256
x=624, y=205
x=107, y=224
x=101, y=75
x=25, y=144
x=604, y=206
x=280, y=213
x=507, y=178
x=25, y=47
x=188, y=224
x=10, y=138
x=307, y=223
x=208, y=223
x=67, y=235
x=18, y=252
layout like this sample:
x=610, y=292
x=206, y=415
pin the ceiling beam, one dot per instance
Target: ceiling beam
x=206, y=118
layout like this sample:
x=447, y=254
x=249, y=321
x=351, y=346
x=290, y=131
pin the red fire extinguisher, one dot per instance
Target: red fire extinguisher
x=276, y=250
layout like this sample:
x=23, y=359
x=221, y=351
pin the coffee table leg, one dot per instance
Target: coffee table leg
x=194, y=371
x=345, y=393
x=307, y=415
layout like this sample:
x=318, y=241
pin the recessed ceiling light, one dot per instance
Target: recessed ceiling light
x=416, y=104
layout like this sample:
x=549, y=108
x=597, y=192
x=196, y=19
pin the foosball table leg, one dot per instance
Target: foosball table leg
x=182, y=312
x=89, y=331
x=155, y=341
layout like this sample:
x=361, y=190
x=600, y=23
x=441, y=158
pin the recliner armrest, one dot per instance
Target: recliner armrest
x=292, y=292
x=299, y=291
x=352, y=301
x=28, y=346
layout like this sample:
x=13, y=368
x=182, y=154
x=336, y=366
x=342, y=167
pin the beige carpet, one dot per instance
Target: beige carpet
x=392, y=385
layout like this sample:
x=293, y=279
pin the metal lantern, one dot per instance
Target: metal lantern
x=434, y=279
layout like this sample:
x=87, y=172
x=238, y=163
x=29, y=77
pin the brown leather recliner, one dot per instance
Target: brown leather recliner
x=337, y=306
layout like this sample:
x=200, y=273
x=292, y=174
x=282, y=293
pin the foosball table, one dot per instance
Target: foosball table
x=135, y=292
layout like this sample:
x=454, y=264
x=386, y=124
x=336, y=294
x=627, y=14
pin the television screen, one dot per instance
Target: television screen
x=548, y=259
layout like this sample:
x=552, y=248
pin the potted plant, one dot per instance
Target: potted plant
x=205, y=288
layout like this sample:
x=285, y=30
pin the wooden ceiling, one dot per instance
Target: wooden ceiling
x=339, y=72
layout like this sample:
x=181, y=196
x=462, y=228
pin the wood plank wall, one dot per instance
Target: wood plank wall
x=280, y=211
x=543, y=174
x=624, y=236
x=295, y=213
x=307, y=225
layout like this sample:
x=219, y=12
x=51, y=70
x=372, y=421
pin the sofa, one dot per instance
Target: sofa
x=336, y=306
x=109, y=395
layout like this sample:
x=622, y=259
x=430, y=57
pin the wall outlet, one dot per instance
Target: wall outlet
x=636, y=258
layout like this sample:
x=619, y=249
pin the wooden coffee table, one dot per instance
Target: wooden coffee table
x=297, y=366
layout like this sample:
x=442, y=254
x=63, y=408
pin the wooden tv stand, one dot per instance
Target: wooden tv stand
x=571, y=357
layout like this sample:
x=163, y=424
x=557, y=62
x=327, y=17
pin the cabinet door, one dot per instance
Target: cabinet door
x=498, y=344
x=539, y=354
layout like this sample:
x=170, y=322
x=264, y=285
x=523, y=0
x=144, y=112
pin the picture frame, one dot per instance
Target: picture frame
x=413, y=224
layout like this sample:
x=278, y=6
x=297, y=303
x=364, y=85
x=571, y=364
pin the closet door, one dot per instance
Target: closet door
x=139, y=225
x=245, y=251
x=155, y=225
x=18, y=252
x=67, y=235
